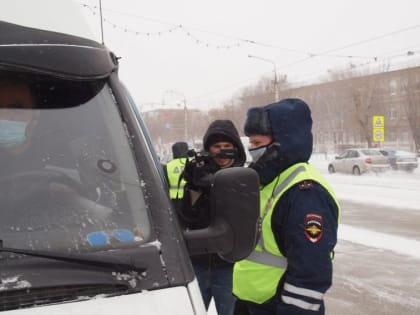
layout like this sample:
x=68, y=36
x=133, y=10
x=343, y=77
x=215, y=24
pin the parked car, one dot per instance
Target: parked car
x=357, y=161
x=401, y=160
x=245, y=143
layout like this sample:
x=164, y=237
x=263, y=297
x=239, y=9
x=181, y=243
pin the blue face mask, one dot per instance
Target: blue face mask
x=12, y=132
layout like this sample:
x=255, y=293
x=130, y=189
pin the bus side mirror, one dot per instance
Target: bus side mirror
x=234, y=228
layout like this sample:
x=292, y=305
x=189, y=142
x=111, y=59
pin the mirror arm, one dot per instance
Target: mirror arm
x=216, y=238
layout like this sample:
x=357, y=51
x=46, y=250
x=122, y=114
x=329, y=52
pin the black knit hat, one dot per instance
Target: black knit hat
x=217, y=137
x=180, y=150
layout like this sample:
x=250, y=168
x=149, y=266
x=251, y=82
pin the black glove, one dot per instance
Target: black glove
x=189, y=171
x=199, y=174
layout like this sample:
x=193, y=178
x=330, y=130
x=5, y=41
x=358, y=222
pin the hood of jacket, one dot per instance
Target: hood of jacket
x=290, y=123
x=224, y=130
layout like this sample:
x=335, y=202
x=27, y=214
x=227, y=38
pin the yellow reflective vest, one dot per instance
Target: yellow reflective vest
x=256, y=278
x=174, y=170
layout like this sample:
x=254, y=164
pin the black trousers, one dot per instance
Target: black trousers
x=240, y=308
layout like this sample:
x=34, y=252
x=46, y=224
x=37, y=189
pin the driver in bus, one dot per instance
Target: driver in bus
x=28, y=174
x=17, y=121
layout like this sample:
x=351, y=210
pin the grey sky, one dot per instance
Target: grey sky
x=284, y=32
x=200, y=48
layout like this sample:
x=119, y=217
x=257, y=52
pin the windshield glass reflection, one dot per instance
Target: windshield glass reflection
x=68, y=177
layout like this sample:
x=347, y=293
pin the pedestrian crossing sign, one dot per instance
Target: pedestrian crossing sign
x=378, y=122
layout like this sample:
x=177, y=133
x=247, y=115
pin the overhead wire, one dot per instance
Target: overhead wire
x=186, y=30
x=241, y=41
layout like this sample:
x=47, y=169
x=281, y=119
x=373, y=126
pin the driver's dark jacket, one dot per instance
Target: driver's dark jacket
x=32, y=158
x=13, y=163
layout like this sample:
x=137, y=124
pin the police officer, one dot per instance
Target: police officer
x=290, y=269
x=174, y=168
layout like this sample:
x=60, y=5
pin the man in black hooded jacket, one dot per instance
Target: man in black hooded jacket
x=290, y=269
x=223, y=149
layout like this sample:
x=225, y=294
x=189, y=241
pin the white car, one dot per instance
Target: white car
x=245, y=143
x=357, y=161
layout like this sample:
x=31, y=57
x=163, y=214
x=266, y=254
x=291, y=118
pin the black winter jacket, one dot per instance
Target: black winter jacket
x=197, y=215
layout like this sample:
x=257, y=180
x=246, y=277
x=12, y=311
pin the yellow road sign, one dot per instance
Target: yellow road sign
x=378, y=122
x=378, y=134
x=378, y=128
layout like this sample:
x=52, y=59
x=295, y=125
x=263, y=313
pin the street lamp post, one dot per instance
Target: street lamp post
x=276, y=90
x=185, y=120
x=184, y=101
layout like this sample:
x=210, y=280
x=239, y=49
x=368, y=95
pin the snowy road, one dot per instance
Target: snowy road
x=377, y=261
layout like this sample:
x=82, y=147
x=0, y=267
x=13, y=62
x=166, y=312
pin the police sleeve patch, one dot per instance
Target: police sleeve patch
x=314, y=228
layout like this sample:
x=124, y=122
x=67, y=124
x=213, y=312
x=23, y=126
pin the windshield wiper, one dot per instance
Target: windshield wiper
x=120, y=264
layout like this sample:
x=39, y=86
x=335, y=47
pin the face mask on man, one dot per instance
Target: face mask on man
x=12, y=133
x=257, y=153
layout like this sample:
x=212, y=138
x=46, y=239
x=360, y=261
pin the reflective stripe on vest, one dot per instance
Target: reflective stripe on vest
x=263, y=256
x=256, y=278
x=174, y=170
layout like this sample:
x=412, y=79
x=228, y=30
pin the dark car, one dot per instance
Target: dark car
x=401, y=160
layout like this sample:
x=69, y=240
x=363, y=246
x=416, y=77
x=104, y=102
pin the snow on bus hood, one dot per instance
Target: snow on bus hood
x=174, y=301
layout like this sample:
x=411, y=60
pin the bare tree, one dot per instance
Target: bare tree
x=361, y=92
x=365, y=94
x=411, y=88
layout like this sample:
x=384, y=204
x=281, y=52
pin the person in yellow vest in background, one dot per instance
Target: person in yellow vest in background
x=174, y=168
x=290, y=270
